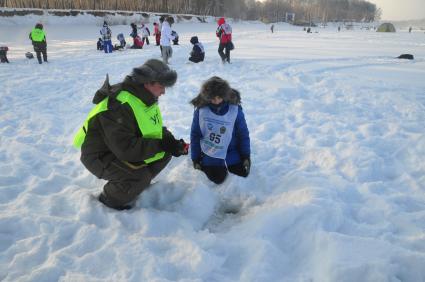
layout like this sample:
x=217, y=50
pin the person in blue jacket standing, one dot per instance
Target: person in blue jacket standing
x=106, y=37
x=219, y=135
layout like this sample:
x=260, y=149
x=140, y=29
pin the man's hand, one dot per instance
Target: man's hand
x=175, y=147
x=180, y=148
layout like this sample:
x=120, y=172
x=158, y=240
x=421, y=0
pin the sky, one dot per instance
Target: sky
x=336, y=190
x=401, y=10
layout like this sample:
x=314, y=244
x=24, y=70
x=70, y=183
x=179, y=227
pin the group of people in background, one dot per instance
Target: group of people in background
x=163, y=33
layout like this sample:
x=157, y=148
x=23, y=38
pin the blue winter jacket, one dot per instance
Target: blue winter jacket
x=239, y=146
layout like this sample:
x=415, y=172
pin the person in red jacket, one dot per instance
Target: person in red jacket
x=157, y=33
x=224, y=33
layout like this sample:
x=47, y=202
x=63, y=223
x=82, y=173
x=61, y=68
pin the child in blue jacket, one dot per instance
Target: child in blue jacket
x=198, y=52
x=219, y=135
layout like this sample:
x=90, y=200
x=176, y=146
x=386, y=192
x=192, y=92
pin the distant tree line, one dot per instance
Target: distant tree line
x=313, y=10
x=269, y=10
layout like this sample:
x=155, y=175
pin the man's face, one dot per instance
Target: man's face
x=155, y=88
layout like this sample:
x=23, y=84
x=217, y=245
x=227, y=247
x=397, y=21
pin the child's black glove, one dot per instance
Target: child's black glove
x=246, y=164
x=197, y=165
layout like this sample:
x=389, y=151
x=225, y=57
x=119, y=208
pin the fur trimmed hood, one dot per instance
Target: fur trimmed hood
x=216, y=87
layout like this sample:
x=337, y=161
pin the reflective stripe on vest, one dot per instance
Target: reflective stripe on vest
x=37, y=35
x=149, y=120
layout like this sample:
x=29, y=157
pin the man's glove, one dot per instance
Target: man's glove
x=175, y=147
x=246, y=164
x=184, y=149
x=170, y=145
x=197, y=165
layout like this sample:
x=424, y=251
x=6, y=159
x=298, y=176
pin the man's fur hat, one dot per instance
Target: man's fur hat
x=154, y=70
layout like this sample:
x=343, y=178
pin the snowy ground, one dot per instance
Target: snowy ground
x=337, y=186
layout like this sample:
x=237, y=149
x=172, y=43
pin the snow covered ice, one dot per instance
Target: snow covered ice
x=336, y=191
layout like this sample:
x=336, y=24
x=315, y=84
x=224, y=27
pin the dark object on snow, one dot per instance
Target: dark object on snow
x=406, y=56
x=386, y=27
x=3, y=54
x=176, y=37
x=29, y=55
x=100, y=44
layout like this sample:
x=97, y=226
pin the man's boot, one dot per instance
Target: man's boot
x=103, y=198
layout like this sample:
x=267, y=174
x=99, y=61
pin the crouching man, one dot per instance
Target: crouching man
x=123, y=140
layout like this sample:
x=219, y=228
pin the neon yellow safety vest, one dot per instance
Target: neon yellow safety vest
x=37, y=35
x=148, y=119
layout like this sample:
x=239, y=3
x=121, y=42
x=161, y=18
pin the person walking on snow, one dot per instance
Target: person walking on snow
x=145, y=34
x=198, y=53
x=166, y=37
x=106, y=37
x=123, y=140
x=39, y=42
x=157, y=33
x=3, y=54
x=224, y=33
x=219, y=135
